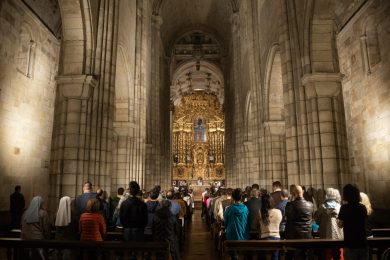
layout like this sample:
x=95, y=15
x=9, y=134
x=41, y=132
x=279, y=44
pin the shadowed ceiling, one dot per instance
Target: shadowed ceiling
x=180, y=16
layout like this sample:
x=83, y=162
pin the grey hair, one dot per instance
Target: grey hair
x=255, y=193
x=333, y=194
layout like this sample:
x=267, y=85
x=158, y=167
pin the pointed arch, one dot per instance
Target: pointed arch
x=77, y=37
x=273, y=86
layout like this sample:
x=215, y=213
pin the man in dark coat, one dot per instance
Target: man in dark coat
x=254, y=206
x=133, y=215
x=17, y=204
x=299, y=214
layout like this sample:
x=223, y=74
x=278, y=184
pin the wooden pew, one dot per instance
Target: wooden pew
x=103, y=250
x=253, y=248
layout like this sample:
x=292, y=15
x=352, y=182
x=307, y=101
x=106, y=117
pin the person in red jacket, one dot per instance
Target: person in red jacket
x=92, y=225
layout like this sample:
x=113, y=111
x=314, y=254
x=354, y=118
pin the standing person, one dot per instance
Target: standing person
x=165, y=228
x=370, y=216
x=236, y=218
x=35, y=221
x=270, y=219
x=299, y=214
x=35, y=225
x=152, y=205
x=277, y=191
x=104, y=206
x=282, y=207
x=326, y=217
x=133, y=215
x=92, y=225
x=353, y=219
x=175, y=207
x=254, y=206
x=206, y=191
x=66, y=225
x=17, y=205
x=114, y=203
x=81, y=200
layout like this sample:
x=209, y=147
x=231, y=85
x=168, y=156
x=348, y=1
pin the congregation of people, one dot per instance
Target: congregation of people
x=256, y=214
x=249, y=214
x=140, y=215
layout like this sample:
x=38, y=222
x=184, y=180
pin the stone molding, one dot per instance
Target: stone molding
x=322, y=84
x=275, y=127
x=76, y=86
x=157, y=21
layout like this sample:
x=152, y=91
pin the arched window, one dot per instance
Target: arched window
x=26, y=52
x=370, y=45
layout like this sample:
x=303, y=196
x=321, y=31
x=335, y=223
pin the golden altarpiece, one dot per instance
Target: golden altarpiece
x=198, y=139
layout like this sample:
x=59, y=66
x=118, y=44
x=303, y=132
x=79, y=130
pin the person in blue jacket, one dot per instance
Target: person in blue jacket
x=236, y=218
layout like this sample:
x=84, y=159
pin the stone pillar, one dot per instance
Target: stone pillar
x=234, y=121
x=155, y=115
x=69, y=152
x=275, y=153
x=131, y=132
x=326, y=129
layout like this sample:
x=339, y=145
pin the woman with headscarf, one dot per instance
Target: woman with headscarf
x=66, y=225
x=35, y=225
x=35, y=221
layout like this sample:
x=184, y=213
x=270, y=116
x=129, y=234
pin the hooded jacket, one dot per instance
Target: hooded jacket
x=236, y=222
x=133, y=213
x=164, y=229
x=326, y=217
x=152, y=207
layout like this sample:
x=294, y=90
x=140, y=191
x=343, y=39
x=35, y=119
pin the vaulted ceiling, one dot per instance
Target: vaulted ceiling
x=179, y=16
x=48, y=12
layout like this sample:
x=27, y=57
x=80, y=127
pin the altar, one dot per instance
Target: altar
x=198, y=141
x=198, y=190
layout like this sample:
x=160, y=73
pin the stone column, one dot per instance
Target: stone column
x=326, y=129
x=275, y=149
x=69, y=152
x=155, y=115
x=233, y=121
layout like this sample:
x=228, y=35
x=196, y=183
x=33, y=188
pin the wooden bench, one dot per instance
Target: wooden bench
x=250, y=249
x=102, y=250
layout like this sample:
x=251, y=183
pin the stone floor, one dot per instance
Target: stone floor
x=198, y=244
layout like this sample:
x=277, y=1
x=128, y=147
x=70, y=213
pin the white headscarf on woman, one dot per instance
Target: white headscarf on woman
x=32, y=213
x=64, y=212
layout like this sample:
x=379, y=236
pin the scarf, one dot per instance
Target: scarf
x=64, y=212
x=32, y=213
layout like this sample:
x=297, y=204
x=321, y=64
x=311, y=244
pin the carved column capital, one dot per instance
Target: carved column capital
x=322, y=84
x=76, y=86
x=157, y=21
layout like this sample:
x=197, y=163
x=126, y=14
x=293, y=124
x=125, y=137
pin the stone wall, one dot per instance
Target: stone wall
x=29, y=56
x=363, y=48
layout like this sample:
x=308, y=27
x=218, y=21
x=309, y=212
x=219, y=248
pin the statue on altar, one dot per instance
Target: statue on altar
x=199, y=181
x=199, y=130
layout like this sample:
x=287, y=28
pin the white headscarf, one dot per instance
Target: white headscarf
x=32, y=213
x=64, y=212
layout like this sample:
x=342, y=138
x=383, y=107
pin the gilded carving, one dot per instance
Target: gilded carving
x=198, y=138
